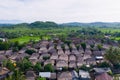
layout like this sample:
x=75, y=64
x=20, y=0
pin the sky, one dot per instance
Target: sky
x=60, y=11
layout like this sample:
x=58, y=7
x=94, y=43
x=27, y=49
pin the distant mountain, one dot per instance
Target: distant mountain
x=94, y=24
x=41, y=24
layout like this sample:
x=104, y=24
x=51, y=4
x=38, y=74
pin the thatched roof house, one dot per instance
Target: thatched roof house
x=72, y=57
x=63, y=57
x=49, y=62
x=61, y=63
x=64, y=76
x=72, y=64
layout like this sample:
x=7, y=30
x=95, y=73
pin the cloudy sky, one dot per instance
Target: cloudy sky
x=60, y=10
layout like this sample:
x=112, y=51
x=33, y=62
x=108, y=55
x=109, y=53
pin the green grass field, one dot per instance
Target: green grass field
x=57, y=31
x=111, y=30
x=25, y=39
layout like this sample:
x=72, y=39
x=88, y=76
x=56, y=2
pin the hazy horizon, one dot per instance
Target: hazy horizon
x=60, y=11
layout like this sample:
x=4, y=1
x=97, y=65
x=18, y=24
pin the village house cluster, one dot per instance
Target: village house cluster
x=60, y=58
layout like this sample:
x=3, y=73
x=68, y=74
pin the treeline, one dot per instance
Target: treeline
x=87, y=33
x=37, y=24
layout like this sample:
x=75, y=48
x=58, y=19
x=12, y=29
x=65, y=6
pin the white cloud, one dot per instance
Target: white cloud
x=60, y=10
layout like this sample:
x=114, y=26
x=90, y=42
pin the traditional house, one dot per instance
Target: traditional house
x=64, y=76
x=44, y=55
x=60, y=51
x=49, y=62
x=2, y=58
x=8, y=53
x=90, y=61
x=74, y=51
x=59, y=47
x=54, y=56
x=101, y=70
x=4, y=73
x=67, y=52
x=61, y=64
x=103, y=76
x=43, y=49
x=21, y=56
x=52, y=50
x=21, y=51
x=13, y=57
x=66, y=47
x=86, y=56
x=73, y=46
x=2, y=52
x=34, y=56
x=72, y=64
x=63, y=57
x=80, y=61
x=72, y=57
x=30, y=75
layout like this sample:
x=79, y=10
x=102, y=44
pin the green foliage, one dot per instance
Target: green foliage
x=48, y=68
x=113, y=55
x=85, y=68
x=104, y=64
x=83, y=45
x=67, y=42
x=65, y=69
x=37, y=67
x=63, y=47
x=92, y=45
x=99, y=46
x=30, y=51
x=77, y=46
x=4, y=45
x=46, y=57
x=40, y=24
x=10, y=65
x=41, y=78
x=17, y=75
x=24, y=64
x=117, y=66
x=15, y=49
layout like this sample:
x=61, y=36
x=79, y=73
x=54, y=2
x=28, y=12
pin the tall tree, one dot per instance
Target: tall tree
x=83, y=45
x=113, y=55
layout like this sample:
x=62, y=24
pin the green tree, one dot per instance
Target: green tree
x=30, y=51
x=99, y=46
x=17, y=75
x=48, y=68
x=104, y=64
x=92, y=45
x=83, y=45
x=37, y=67
x=14, y=49
x=46, y=57
x=41, y=78
x=113, y=55
x=24, y=64
x=10, y=65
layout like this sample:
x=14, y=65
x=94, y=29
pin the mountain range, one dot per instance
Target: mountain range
x=92, y=24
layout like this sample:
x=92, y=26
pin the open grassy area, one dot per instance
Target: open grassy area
x=25, y=39
x=25, y=32
x=111, y=30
